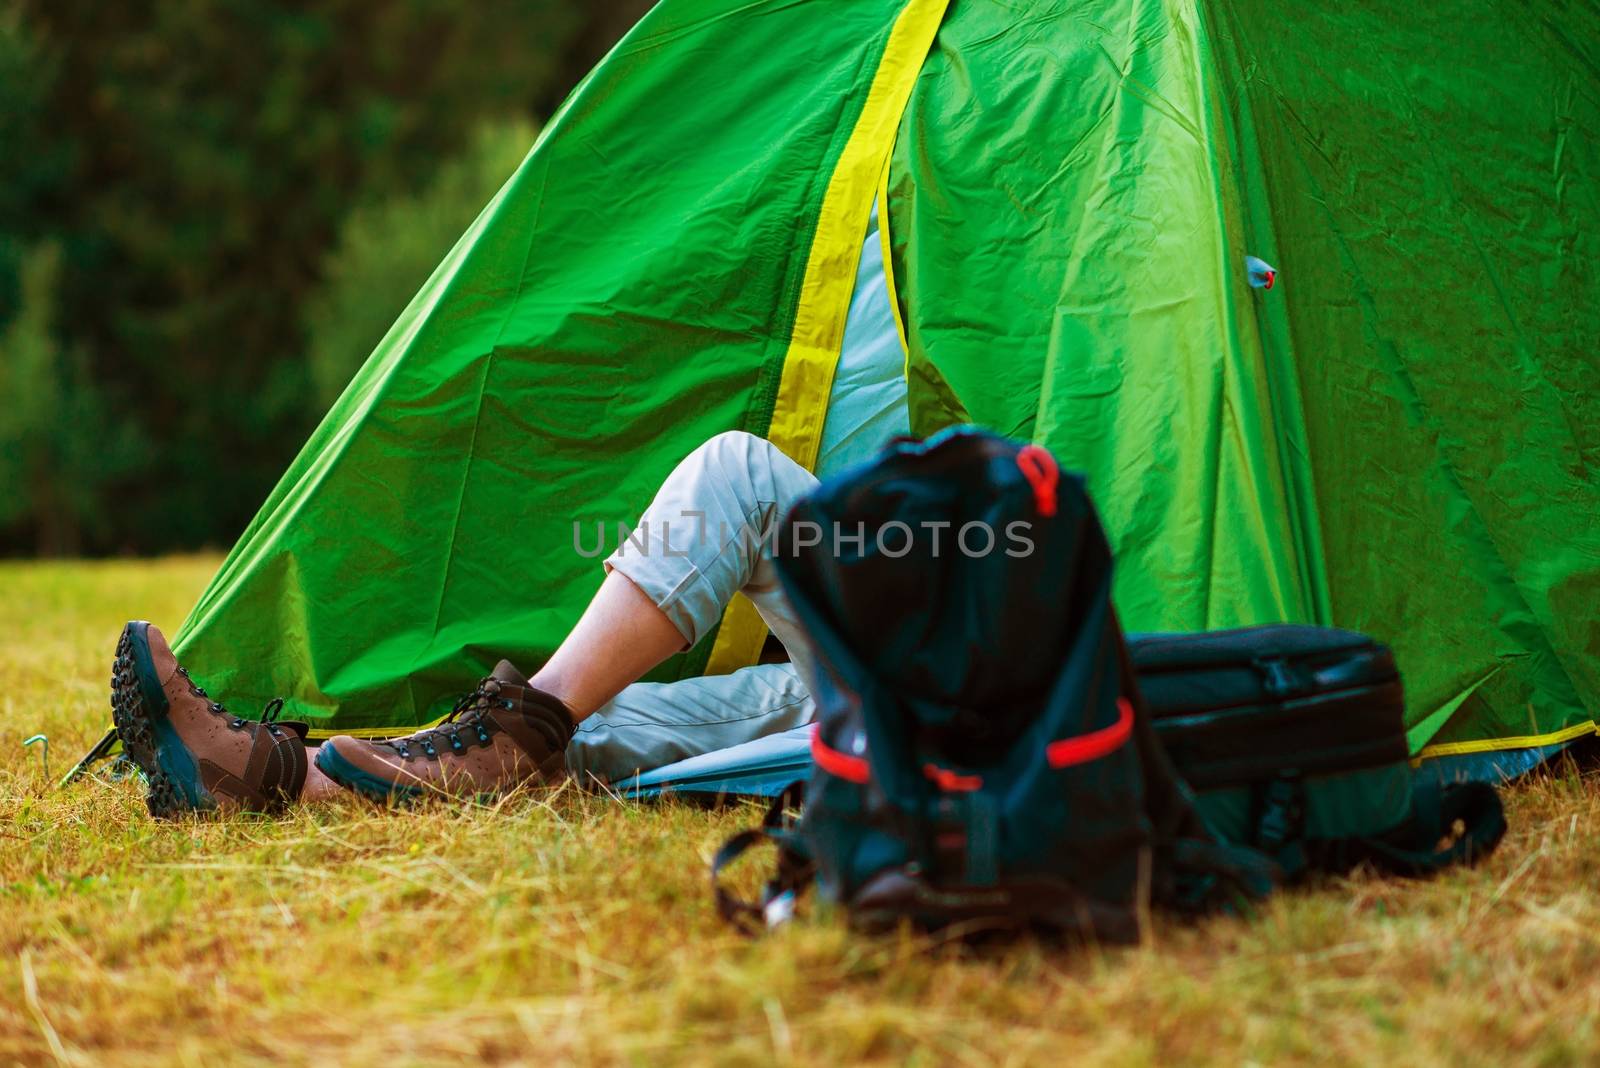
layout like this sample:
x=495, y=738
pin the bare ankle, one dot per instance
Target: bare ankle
x=318, y=786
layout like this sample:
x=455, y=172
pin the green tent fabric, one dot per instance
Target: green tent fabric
x=1403, y=436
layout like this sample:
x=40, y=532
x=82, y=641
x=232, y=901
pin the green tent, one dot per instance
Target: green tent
x=1402, y=436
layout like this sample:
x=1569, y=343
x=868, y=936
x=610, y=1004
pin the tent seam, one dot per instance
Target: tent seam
x=477, y=419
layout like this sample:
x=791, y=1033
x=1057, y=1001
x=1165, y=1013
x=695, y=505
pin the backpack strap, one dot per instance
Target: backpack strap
x=1210, y=876
x=1412, y=850
x=795, y=871
x=1196, y=871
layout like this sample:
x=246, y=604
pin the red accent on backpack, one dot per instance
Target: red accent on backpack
x=952, y=782
x=1039, y=468
x=1095, y=744
x=850, y=768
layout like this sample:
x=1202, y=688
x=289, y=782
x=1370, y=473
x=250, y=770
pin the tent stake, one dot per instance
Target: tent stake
x=101, y=750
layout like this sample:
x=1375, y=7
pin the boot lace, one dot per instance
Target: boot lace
x=468, y=724
x=269, y=715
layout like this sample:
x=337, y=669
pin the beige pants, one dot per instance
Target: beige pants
x=701, y=541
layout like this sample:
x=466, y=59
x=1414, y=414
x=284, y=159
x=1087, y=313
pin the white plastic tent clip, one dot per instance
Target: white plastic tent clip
x=1262, y=274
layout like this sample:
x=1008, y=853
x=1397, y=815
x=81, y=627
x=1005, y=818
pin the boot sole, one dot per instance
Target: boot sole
x=139, y=710
x=365, y=783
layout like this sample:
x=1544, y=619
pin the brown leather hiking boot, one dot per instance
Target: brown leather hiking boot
x=194, y=753
x=503, y=734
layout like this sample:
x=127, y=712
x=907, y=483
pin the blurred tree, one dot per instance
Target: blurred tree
x=30, y=163
x=58, y=448
x=30, y=379
x=385, y=251
x=193, y=160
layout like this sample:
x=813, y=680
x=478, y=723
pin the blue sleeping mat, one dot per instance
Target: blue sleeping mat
x=761, y=768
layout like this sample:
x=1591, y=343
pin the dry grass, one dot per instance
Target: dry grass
x=573, y=929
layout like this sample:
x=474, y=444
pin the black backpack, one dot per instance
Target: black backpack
x=983, y=757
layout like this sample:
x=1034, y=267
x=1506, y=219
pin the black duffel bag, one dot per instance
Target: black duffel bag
x=1293, y=739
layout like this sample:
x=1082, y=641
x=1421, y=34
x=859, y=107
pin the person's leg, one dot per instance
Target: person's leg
x=700, y=541
x=650, y=724
x=318, y=786
x=619, y=637
x=703, y=539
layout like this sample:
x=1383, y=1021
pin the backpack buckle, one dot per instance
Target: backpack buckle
x=1282, y=812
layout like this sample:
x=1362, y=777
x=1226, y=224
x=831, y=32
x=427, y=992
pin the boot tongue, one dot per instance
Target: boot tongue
x=506, y=672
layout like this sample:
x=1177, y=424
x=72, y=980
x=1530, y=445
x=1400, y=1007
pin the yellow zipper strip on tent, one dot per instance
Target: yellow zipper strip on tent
x=1494, y=745
x=828, y=284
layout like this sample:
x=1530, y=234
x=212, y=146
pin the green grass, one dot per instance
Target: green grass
x=569, y=928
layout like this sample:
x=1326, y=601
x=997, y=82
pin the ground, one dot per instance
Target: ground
x=564, y=928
